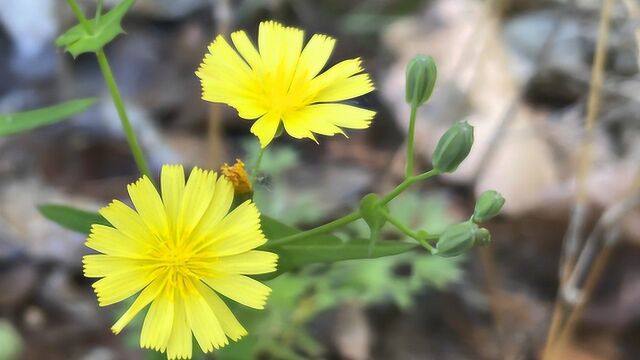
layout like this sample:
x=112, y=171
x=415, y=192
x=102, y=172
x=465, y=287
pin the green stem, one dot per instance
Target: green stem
x=412, y=130
x=328, y=227
x=80, y=15
x=407, y=231
x=340, y=222
x=406, y=184
x=256, y=166
x=98, y=11
x=138, y=156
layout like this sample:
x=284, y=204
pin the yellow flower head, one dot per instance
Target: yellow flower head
x=178, y=251
x=281, y=82
x=238, y=176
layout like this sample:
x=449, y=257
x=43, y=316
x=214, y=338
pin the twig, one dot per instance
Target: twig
x=571, y=242
x=597, y=251
x=222, y=13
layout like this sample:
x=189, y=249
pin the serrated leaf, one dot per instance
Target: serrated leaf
x=323, y=248
x=27, y=120
x=77, y=41
x=72, y=218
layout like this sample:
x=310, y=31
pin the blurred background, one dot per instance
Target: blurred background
x=518, y=70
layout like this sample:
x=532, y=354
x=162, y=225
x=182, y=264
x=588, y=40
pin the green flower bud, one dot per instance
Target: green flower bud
x=453, y=147
x=421, y=79
x=457, y=239
x=483, y=237
x=488, y=206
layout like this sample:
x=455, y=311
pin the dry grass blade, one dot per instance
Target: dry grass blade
x=572, y=240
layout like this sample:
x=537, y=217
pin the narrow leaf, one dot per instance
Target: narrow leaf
x=72, y=218
x=27, y=120
x=323, y=248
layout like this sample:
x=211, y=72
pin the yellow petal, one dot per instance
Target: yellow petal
x=172, y=185
x=197, y=196
x=146, y=296
x=346, y=88
x=108, y=240
x=180, y=341
x=270, y=43
x=149, y=205
x=127, y=222
x=246, y=48
x=237, y=233
x=250, y=263
x=217, y=210
x=227, y=78
x=336, y=73
x=265, y=128
x=232, y=328
x=203, y=322
x=119, y=286
x=103, y=265
x=242, y=289
x=314, y=57
x=327, y=119
x=158, y=322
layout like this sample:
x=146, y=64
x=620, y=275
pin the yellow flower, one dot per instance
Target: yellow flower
x=179, y=250
x=281, y=82
x=238, y=176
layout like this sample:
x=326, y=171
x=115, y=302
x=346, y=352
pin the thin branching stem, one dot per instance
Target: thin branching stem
x=410, y=141
x=572, y=241
x=130, y=134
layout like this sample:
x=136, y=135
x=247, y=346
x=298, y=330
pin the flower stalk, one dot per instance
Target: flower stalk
x=130, y=134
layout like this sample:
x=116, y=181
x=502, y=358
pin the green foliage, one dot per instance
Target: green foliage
x=280, y=331
x=372, y=214
x=28, y=120
x=105, y=28
x=324, y=248
x=72, y=218
x=10, y=342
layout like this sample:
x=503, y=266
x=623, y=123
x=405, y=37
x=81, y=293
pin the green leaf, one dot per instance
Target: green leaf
x=27, y=120
x=72, y=218
x=323, y=248
x=77, y=41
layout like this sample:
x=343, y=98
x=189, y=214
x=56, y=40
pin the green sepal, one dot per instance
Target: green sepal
x=421, y=75
x=457, y=239
x=77, y=41
x=453, y=147
x=483, y=237
x=488, y=206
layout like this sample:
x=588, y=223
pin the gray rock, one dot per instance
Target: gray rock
x=525, y=36
x=32, y=26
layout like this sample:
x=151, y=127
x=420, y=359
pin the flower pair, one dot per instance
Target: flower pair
x=179, y=248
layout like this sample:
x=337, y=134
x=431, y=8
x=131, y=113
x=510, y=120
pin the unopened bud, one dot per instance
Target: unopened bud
x=457, y=239
x=453, y=147
x=483, y=237
x=488, y=206
x=421, y=79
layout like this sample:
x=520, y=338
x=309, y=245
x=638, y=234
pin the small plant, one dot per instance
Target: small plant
x=193, y=238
